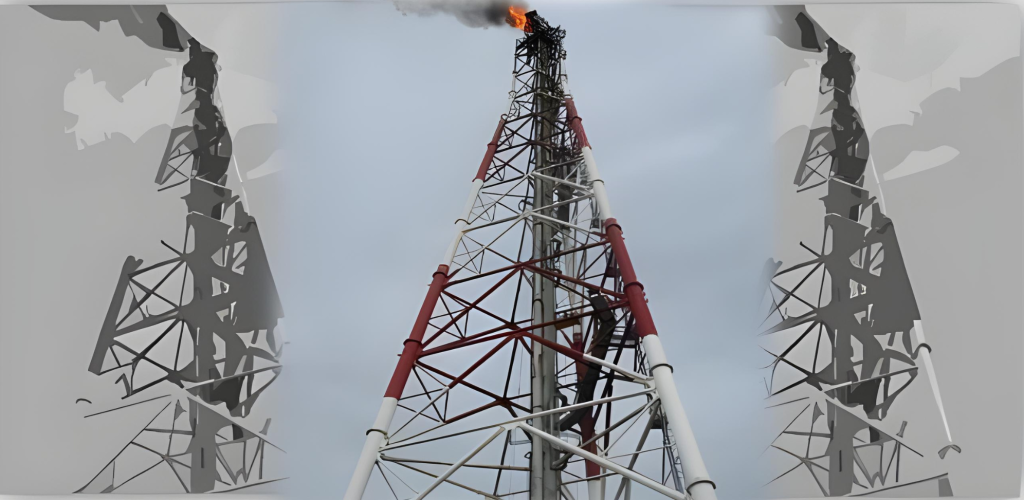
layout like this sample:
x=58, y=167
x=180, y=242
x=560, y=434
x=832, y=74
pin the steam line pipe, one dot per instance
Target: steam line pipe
x=698, y=482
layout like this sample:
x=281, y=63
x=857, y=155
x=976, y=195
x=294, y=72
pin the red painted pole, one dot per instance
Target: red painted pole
x=588, y=421
x=492, y=147
x=613, y=232
x=575, y=122
x=586, y=432
x=414, y=344
x=644, y=323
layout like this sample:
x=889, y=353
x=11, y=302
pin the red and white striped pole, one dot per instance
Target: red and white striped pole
x=698, y=481
x=414, y=344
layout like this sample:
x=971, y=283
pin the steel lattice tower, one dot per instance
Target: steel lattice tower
x=535, y=290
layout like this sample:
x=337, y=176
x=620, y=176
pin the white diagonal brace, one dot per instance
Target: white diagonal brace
x=406, y=442
x=561, y=181
x=428, y=405
x=462, y=461
x=607, y=464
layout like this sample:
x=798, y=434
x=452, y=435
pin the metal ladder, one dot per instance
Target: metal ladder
x=675, y=464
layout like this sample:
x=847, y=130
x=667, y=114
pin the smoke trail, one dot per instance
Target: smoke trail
x=797, y=29
x=149, y=23
x=472, y=13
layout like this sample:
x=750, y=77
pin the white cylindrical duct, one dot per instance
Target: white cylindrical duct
x=597, y=183
x=595, y=489
x=926, y=354
x=698, y=482
x=368, y=457
x=462, y=222
x=374, y=438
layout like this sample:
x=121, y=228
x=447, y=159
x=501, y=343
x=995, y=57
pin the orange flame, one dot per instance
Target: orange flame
x=516, y=17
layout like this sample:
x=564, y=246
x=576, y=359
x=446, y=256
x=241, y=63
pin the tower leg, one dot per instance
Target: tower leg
x=698, y=482
x=595, y=489
x=368, y=457
x=413, y=347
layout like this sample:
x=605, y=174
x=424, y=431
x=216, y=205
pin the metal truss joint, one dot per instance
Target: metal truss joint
x=633, y=283
x=610, y=222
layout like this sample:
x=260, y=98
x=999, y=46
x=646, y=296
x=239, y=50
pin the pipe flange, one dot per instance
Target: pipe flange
x=699, y=480
x=655, y=367
x=633, y=283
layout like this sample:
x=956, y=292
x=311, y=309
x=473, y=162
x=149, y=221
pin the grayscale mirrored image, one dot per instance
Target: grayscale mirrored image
x=171, y=280
x=899, y=126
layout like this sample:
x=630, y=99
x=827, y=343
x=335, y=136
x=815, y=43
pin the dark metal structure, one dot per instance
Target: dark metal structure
x=197, y=332
x=851, y=304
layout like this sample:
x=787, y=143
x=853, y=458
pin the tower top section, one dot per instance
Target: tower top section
x=535, y=27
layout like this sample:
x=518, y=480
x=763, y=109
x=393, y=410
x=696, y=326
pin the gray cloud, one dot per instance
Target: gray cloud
x=149, y=23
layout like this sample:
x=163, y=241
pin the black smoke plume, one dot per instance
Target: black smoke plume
x=472, y=13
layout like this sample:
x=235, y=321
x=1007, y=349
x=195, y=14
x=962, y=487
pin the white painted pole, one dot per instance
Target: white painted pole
x=926, y=353
x=368, y=457
x=698, y=482
x=462, y=222
x=375, y=436
x=597, y=184
x=595, y=489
